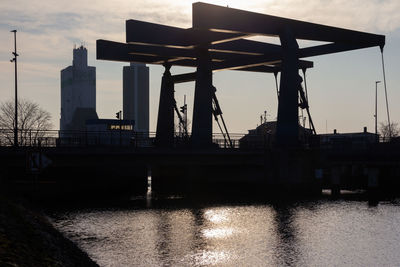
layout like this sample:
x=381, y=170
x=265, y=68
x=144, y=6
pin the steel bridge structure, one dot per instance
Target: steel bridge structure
x=218, y=40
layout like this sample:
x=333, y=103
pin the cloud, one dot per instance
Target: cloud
x=371, y=15
x=44, y=15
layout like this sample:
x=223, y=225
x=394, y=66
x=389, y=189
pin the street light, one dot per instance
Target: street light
x=16, y=98
x=376, y=107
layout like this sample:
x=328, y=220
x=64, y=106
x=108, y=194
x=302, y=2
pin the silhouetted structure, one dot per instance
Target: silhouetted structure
x=348, y=140
x=215, y=42
x=264, y=136
x=110, y=132
x=136, y=95
x=78, y=92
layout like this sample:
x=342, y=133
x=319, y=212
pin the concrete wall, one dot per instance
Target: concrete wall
x=73, y=173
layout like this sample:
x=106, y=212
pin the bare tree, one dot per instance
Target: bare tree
x=32, y=121
x=386, y=132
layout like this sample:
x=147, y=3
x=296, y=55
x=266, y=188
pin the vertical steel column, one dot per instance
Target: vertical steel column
x=202, y=108
x=165, y=119
x=287, y=129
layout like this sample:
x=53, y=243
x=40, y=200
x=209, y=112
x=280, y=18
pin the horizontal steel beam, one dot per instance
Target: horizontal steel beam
x=183, y=78
x=275, y=58
x=191, y=76
x=140, y=32
x=173, y=52
x=249, y=62
x=246, y=47
x=218, y=18
x=329, y=49
x=157, y=34
x=115, y=51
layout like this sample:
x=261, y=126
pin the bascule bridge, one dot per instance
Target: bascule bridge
x=217, y=41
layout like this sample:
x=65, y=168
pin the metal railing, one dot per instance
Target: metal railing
x=56, y=138
x=28, y=137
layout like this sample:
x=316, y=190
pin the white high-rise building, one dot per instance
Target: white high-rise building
x=78, y=92
x=136, y=95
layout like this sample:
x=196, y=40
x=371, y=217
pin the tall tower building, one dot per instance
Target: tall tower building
x=136, y=95
x=78, y=92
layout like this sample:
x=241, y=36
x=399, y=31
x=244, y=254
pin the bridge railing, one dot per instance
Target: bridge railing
x=29, y=137
x=57, y=138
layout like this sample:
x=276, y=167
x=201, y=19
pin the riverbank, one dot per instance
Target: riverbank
x=28, y=239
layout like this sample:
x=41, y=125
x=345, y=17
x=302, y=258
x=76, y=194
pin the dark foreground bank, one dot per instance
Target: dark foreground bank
x=28, y=239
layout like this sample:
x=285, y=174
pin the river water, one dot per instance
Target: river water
x=319, y=232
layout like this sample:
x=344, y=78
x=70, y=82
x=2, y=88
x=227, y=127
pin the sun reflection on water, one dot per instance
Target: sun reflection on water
x=209, y=258
x=216, y=216
x=218, y=232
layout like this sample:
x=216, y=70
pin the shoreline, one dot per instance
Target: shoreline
x=27, y=238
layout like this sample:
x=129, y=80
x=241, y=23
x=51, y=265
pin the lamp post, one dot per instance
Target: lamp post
x=376, y=107
x=16, y=95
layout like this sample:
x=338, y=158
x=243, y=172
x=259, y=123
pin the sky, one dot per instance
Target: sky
x=341, y=86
